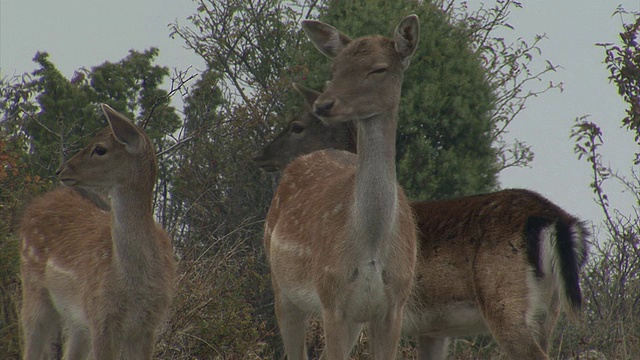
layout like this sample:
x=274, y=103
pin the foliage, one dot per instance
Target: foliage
x=251, y=45
x=511, y=71
x=246, y=46
x=216, y=187
x=16, y=182
x=57, y=115
x=623, y=62
x=221, y=199
x=444, y=121
x=612, y=277
x=213, y=313
x=463, y=89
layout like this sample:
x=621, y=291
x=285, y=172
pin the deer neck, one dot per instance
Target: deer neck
x=376, y=189
x=133, y=230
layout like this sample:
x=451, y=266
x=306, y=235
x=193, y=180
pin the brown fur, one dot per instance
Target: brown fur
x=474, y=260
x=101, y=280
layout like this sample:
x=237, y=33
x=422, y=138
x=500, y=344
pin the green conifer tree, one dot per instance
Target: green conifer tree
x=444, y=142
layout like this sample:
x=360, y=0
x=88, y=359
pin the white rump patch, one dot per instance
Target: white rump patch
x=548, y=256
x=541, y=290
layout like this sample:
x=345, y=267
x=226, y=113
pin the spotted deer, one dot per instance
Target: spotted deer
x=339, y=234
x=103, y=280
x=504, y=262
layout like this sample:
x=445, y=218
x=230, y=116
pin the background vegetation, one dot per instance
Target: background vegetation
x=463, y=89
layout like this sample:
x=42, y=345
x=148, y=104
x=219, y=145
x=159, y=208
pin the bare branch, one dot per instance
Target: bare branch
x=34, y=118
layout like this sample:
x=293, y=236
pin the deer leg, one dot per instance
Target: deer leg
x=430, y=348
x=507, y=322
x=520, y=344
x=340, y=335
x=102, y=346
x=506, y=300
x=139, y=345
x=292, y=322
x=76, y=344
x=41, y=323
x=384, y=334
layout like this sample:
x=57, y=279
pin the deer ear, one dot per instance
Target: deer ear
x=309, y=95
x=124, y=131
x=325, y=38
x=406, y=37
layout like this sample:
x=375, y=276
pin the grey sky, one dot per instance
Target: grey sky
x=573, y=27
x=87, y=33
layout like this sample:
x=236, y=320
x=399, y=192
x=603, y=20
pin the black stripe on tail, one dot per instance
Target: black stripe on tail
x=572, y=257
x=532, y=231
x=570, y=248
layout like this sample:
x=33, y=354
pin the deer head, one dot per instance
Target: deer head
x=366, y=74
x=119, y=155
x=305, y=134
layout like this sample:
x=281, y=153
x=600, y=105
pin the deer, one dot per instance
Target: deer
x=339, y=235
x=304, y=134
x=100, y=277
x=505, y=263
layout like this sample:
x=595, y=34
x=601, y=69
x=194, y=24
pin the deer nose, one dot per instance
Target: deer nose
x=323, y=108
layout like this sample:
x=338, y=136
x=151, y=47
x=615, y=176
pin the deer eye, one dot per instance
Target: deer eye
x=99, y=150
x=296, y=127
x=378, y=70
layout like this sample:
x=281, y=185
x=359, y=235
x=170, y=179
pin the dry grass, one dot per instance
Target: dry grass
x=223, y=309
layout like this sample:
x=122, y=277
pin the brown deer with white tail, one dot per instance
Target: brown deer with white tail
x=340, y=235
x=485, y=262
x=102, y=280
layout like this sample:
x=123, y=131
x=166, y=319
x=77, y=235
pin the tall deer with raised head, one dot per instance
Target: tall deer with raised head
x=485, y=263
x=340, y=235
x=102, y=280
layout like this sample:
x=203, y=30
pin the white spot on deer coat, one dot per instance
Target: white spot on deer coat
x=32, y=254
x=337, y=208
x=282, y=245
x=52, y=266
